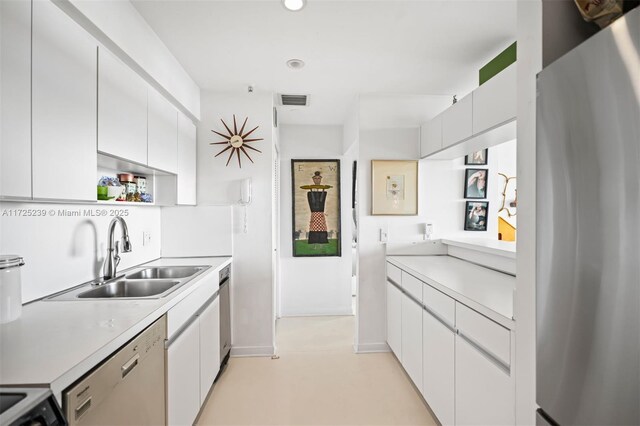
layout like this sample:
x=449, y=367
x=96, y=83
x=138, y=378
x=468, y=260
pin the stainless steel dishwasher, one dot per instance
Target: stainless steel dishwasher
x=224, y=289
x=127, y=388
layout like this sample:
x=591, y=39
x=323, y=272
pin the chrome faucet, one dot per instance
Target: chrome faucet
x=113, y=250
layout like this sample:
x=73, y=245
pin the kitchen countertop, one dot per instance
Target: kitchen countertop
x=54, y=343
x=487, y=291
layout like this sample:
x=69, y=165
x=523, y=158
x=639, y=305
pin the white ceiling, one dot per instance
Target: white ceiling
x=357, y=47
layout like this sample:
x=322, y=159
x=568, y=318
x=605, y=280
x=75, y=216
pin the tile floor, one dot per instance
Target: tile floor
x=317, y=380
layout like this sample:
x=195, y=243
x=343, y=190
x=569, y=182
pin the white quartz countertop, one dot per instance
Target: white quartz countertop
x=482, y=289
x=56, y=342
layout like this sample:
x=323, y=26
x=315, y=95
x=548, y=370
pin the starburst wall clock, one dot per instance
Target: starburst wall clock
x=237, y=141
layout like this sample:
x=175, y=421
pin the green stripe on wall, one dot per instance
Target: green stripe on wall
x=497, y=64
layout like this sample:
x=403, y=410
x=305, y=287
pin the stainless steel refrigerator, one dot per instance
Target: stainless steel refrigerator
x=588, y=231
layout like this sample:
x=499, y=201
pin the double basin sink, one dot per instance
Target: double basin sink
x=147, y=283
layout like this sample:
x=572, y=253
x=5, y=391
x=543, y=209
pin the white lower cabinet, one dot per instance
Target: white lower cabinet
x=183, y=377
x=484, y=391
x=193, y=351
x=412, y=339
x=394, y=319
x=209, y=347
x=438, y=361
x=461, y=360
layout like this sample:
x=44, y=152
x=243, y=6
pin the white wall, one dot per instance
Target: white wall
x=123, y=26
x=63, y=251
x=252, y=293
x=197, y=231
x=529, y=64
x=443, y=192
x=316, y=285
x=381, y=144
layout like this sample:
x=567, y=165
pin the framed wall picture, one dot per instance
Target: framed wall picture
x=316, y=208
x=475, y=183
x=394, y=187
x=475, y=218
x=477, y=158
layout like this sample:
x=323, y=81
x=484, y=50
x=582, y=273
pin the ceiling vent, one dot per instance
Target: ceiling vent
x=294, y=100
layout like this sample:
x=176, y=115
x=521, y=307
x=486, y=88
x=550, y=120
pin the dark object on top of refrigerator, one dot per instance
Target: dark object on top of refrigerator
x=588, y=231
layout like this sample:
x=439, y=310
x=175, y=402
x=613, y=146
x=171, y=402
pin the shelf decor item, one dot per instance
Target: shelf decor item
x=237, y=141
x=475, y=218
x=475, y=183
x=108, y=188
x=316, y=208
x=477, y=158
x=394, y=187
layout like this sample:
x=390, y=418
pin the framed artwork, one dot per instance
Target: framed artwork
x=316, y=208
x=394, y=187
x=475, y=183
x=475, y=218
x=477, y=158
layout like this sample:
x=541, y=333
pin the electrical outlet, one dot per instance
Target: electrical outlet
x=146, y=238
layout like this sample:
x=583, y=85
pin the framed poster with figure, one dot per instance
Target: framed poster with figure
x=475, y=218
x=315, y=186
x=477, y=158
x=394, y=187
x=475, y=185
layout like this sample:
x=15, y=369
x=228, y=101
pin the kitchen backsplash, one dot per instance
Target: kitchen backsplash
x=63, y=245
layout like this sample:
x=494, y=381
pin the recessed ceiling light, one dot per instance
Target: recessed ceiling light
x=294, y=5
x=295, y=64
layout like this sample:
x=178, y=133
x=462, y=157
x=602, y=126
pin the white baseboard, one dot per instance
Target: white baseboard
x=246, y=351
x=329, y=313
x=367, y=348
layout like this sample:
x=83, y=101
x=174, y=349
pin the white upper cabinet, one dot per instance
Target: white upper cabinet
x=64, y=106
x=495, y=101
x=15, y=99
x=122, y=110
x=431, y=136
x=162, y=133
x=457, y=122
x=186, y=180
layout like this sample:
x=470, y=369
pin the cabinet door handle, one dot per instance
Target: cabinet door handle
x=440, y=319
x=395, y=284
x=487, y=353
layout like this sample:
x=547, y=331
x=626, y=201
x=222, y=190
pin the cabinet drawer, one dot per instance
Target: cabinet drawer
x=440, y=304
x=394, y=273
x=412, y=285
x=490, y=336
x=183, y=311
